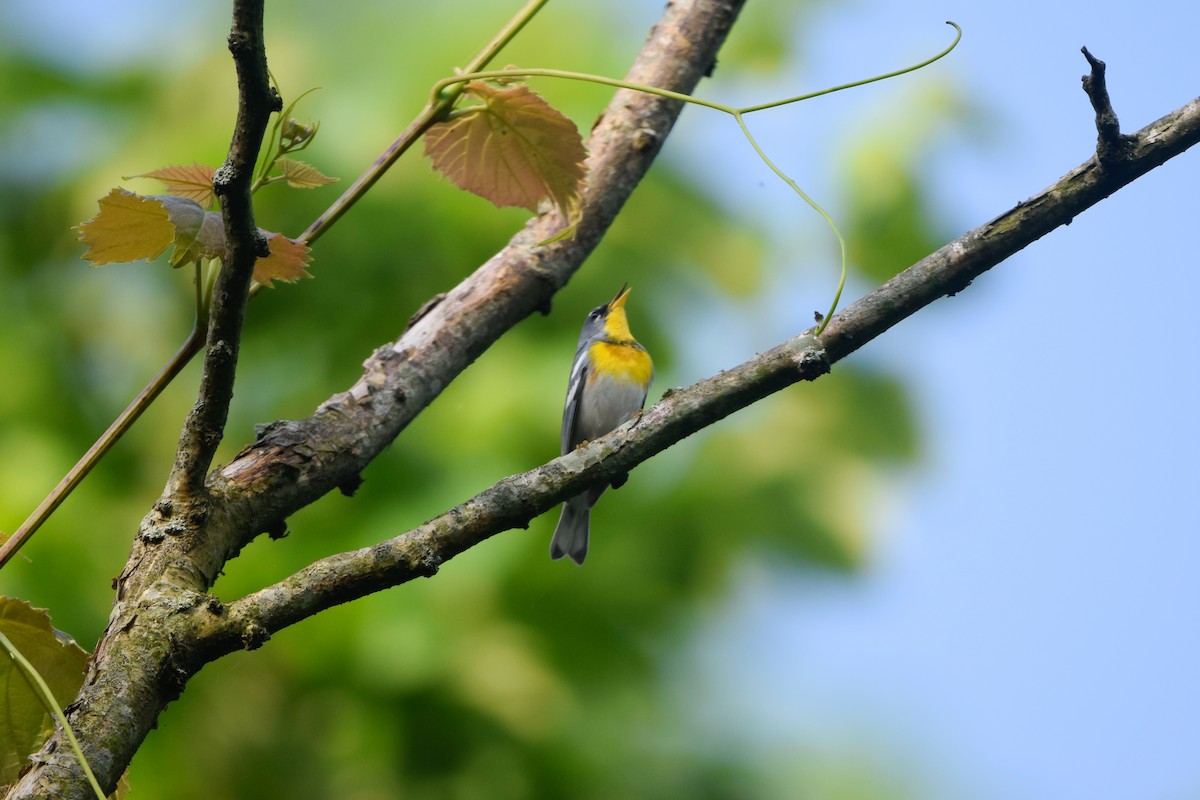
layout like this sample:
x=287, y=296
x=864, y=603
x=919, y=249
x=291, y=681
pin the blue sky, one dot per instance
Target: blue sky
x=1026, y=627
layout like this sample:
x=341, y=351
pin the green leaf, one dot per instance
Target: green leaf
x=24, y=723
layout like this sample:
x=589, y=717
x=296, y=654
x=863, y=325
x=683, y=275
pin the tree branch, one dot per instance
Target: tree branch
x=205, y=425
x=1112, y=146
x=112, y=715
x=292, y=463
x=164, y=628
x=952, y=268
x=152, y=645
x=514, y=501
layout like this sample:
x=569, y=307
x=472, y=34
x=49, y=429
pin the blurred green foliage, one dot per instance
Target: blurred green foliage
x=506, y=676
x=891, y=219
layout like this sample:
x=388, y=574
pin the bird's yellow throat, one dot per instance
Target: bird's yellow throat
x=626, y=361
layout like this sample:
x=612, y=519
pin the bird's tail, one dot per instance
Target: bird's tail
x=571, y=535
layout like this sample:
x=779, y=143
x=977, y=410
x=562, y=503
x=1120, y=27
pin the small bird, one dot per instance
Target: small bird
x=609, y=381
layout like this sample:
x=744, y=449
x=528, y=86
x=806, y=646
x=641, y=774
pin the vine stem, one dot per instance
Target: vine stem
x=439, y=90
x=442, y=88
x=958, y=33
x=815, y=206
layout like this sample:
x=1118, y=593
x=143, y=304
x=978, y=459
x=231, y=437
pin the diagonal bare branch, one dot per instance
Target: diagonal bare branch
x=514, y=501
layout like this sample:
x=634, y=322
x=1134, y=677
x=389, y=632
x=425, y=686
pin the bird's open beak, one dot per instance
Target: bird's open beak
x=619, y=300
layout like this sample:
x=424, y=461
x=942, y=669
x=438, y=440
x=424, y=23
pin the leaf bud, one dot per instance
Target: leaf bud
x=295, y=132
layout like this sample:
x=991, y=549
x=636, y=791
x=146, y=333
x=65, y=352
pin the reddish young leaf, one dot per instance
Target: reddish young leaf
x=286, y=262
x=514, y=150
x=128, y=227
x=194, y=182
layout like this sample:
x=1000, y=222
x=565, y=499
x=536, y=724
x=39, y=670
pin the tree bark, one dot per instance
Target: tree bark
x=153, y=644
x=514, y=501
x=164, y=627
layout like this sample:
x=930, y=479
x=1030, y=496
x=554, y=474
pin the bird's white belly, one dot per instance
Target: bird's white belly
x=605, y=404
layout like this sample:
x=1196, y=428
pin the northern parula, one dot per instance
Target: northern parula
x=609, y=381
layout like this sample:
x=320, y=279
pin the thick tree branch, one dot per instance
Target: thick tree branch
x=113, y=717
x=151, y=646
x=295, y=462
x=164, y=628
x=514, y=501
